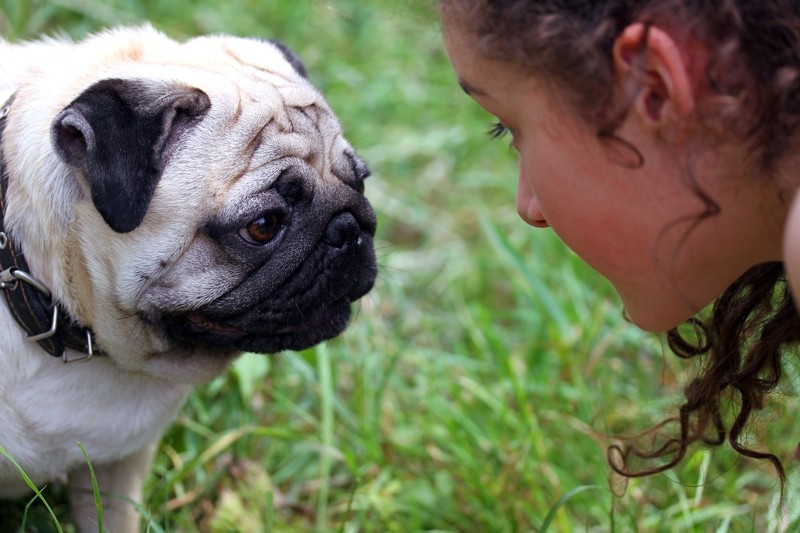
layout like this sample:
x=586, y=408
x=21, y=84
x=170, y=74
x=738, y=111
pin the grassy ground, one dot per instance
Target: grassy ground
x=482, y=379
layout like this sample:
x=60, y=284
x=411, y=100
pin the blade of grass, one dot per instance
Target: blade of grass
x=702, y=477
x=539, y=290
x=326, y=429
x=563, y=500
x=33, y=487
x=98, y=502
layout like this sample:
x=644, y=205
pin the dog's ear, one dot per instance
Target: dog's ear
x=118, y=133
x=290, y=56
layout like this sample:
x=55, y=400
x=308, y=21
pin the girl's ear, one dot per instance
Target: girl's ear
x=651, y=60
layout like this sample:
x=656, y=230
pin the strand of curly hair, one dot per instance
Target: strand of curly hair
x=743, y=344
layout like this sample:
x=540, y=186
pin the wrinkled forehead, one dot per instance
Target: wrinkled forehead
x=248, y=75
x=264, y=114
x=238, y=74
x=257, y=94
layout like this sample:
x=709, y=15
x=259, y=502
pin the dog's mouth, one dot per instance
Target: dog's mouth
x=202, y=323
x=261, y=333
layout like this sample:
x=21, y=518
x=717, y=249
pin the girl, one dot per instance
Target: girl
x=658, y=139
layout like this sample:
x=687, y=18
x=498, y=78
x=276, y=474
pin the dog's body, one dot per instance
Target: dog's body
x=184, y=201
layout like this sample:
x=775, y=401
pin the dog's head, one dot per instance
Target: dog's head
x=214, y=204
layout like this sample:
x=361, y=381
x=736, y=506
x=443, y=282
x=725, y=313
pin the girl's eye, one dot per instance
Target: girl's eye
x=497, y=130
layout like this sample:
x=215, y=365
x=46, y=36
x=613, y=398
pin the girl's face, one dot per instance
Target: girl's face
x=635, y=224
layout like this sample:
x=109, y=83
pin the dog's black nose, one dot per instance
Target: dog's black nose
x=343, y=230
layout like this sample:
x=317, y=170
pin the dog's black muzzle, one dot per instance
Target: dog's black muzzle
x=312, y=303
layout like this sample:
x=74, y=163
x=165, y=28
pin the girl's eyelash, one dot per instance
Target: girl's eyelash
x=497, y=130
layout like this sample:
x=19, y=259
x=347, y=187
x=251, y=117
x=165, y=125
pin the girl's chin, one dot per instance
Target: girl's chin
x=658, y=317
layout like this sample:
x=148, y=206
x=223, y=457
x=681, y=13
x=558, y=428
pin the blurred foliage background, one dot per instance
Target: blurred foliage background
x=482, y=379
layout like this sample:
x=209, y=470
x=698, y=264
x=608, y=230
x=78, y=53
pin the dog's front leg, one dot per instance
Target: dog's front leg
x=119, y=482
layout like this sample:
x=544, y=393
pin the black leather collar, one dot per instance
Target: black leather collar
x=29, y=300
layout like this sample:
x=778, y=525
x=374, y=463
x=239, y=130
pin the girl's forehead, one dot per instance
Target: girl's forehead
x=479, y=76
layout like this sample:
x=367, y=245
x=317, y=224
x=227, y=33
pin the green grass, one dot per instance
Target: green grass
x=483, y=378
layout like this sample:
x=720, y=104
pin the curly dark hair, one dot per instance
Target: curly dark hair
x=753, y=79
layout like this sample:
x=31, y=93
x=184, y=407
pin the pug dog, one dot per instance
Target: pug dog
x=165, y=206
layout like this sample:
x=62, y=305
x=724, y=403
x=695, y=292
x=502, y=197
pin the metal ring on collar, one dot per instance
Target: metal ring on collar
x=50, y=332
x=10, y=276
x=84, y=357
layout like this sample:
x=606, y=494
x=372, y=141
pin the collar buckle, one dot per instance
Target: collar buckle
x=29, y=299
x=10, y=277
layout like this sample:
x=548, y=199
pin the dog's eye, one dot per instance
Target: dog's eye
x=262, y=230
x=360, y=171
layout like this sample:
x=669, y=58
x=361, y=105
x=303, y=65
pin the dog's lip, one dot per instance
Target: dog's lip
x=203, y=323
x=258, y=331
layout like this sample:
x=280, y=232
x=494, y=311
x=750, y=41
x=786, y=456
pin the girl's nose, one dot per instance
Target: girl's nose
x=528, y=205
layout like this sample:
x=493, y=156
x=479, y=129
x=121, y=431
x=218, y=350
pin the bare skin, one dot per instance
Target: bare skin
x=635, y=225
